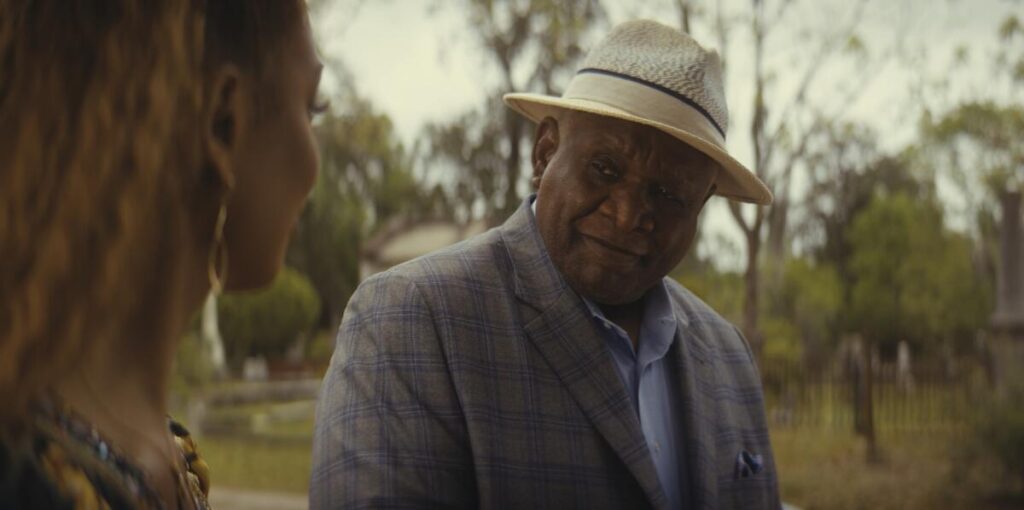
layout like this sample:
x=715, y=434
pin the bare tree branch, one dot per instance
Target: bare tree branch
x=811, y=73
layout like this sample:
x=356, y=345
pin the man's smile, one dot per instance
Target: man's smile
x=612, y=252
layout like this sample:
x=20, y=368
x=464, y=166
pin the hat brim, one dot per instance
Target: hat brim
x=735, y=182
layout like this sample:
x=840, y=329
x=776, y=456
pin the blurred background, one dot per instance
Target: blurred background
x=883, y=292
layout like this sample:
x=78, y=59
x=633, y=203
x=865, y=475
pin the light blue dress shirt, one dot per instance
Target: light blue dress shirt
x=646, y=375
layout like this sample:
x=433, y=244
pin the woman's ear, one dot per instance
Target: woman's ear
x=226, y=115
x=544, y=147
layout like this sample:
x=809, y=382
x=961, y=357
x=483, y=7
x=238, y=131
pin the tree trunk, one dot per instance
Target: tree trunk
x=776, y=249
x=683, y=6
x=1009, y=314
x=514, y=130
x=860, y=375
x=868, y=404
x=212, y=342
x=751, y=280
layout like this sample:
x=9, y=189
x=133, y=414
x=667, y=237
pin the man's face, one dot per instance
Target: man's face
x=617, y=202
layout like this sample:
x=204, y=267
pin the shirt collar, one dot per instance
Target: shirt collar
x=657, y=329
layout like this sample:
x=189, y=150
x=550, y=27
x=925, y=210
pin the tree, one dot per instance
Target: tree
x=976, y=146
x=811, y=300
x=266, y=322
x=914, y=278
x=782, y=119
x=846, y=170
x=365, y=179
x=533, y=43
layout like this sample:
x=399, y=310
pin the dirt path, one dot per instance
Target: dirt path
x=226, y=498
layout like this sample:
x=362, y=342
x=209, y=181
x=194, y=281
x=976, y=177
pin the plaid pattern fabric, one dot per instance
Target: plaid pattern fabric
x=475, y=378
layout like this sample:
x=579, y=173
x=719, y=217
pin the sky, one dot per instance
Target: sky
x=417, y=61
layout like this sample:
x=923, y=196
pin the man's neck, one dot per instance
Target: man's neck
x=627, y=316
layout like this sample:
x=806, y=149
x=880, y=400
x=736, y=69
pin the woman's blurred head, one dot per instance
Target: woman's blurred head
x=262, y=75
x=124, y=126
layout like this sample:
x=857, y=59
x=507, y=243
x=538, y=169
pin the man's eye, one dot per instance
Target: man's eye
x=663, y=192
x=603, y=168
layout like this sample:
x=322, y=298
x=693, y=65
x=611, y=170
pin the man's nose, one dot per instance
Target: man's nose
x=631, y=208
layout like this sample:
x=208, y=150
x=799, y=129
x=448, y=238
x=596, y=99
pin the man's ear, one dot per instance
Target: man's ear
x=711, y=192
x=544, y=147
x=226, y=114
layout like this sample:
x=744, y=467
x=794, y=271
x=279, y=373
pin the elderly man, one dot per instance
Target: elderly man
x=549, y=363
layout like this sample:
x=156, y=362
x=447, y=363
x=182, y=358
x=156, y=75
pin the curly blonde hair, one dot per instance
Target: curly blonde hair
x=100, y=103
x=98, y=107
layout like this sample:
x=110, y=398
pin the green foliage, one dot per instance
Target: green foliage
x=471, y=146
x=365, y=179
x=487, y=147
x=722, y=291
x=914, y=279
x=994, y=448
x=326, y=247
x=1009, y=31
x=192, y=365
x=321, y=348
x=1000, y=433
x=809, y=303
x=980, y=139
x=361, y=156
x=268, y=321
x=782, y=353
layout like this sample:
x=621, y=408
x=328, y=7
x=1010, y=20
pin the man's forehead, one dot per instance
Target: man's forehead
x=628, y=136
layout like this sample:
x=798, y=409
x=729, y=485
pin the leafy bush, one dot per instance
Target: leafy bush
x=269, y=321
x=913, y=277
x=722, y=291
x=998, y=434
x=808, y=299
x=782, y=353
x=192, y=366
x=321, y=348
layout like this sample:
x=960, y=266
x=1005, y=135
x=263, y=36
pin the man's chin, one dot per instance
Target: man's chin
x=604, y=293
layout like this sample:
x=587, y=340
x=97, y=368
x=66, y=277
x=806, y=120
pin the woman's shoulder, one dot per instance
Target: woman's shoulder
x=38, y=472
x=57, y=460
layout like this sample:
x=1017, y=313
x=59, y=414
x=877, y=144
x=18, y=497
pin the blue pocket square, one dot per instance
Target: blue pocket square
x=748, y=464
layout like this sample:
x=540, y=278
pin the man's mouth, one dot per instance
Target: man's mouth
x=612, y=251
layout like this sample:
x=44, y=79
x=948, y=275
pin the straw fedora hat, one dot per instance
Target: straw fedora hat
x=652, y=74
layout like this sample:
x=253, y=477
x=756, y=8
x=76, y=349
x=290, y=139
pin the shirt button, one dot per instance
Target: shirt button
x=657, y=447
x=607, y=326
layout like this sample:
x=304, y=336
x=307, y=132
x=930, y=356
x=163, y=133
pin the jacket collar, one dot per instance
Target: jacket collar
x=694, y=357
x=560, y=326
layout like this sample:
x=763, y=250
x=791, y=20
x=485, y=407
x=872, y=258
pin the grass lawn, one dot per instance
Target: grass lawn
x=827, y=470
x=817, y=469
x=278, y=462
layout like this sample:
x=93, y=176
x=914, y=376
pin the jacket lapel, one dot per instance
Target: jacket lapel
x=694, y=357
x=559, y=325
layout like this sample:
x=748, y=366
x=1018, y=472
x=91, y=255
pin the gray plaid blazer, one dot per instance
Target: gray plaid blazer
x=475, y=377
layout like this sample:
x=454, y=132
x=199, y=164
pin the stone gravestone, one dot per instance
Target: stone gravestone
x=904, y=367
x=1008, y=319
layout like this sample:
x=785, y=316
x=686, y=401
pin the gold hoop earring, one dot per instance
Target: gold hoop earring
x=217, y=266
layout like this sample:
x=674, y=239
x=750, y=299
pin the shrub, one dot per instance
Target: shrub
x=267, y=322
x=192, y=366
x=999, y=434
x=321, y=348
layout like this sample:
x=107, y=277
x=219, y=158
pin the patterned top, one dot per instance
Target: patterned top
x=63, y=462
